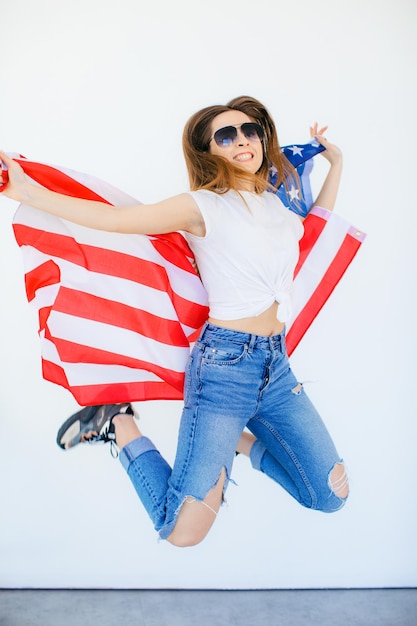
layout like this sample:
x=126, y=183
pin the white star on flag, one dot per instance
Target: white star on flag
x=297, y=150
x=293, y=193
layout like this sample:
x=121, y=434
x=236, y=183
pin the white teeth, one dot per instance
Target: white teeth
x=243, y=157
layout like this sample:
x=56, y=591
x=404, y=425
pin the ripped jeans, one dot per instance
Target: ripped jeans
x=236, y=380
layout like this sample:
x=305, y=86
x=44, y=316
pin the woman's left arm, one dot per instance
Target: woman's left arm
x=328, y=192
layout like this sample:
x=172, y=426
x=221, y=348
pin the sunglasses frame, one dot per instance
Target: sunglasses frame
x=254, y=127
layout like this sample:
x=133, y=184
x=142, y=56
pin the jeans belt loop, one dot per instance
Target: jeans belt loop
x=251, y=343
x=282, y=342
x=203, y=330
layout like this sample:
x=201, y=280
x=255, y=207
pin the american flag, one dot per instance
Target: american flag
x=117, y=313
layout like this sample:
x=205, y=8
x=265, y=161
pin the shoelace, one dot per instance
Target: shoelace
x=106, y=436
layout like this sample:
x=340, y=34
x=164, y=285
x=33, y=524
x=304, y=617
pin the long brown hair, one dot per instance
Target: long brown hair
x=213, y=172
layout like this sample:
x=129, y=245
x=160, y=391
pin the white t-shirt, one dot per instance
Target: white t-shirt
x=248, y=255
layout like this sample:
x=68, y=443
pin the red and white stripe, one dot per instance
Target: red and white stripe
x=327, y=248
x=117, y=313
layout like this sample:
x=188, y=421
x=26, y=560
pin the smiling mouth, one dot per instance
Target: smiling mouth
x=244, y=156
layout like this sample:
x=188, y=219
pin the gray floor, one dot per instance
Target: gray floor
x=391, y=607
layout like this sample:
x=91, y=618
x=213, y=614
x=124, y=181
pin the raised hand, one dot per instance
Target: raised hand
x=332, y=153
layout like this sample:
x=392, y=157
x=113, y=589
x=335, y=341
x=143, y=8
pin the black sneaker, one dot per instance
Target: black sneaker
x=91, y=425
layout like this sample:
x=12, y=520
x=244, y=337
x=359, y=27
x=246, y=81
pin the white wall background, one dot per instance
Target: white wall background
x=106, y=87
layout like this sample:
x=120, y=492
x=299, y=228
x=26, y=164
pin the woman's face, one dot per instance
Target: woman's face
x=244, y=151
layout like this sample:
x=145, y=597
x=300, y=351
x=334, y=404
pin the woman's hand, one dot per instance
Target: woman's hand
x=332, y=153
x=13, y=181
x=328, y=192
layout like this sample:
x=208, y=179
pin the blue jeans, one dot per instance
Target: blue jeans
x=236, y=380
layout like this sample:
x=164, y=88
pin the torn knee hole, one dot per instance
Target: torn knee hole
x=338, y=481
x=191, y=499
x=215, y=496
x=297, y=389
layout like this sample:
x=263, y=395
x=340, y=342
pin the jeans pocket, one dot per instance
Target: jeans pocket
x=224, y=354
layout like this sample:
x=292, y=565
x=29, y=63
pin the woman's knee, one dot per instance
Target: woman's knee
x=338, y=483
x=193, y=523
x=196, y=517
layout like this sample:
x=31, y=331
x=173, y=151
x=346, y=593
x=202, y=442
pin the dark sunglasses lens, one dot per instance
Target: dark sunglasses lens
x=225, y=136
x=252, y=131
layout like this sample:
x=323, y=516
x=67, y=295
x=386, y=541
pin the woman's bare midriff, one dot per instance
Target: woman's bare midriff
x=265, y=324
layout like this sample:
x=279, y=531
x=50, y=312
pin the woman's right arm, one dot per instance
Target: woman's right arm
x=176, y=213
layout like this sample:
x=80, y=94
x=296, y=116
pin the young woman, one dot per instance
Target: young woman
x=238, y=377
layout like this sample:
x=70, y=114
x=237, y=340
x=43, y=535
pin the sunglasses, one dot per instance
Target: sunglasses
x=227, y=135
